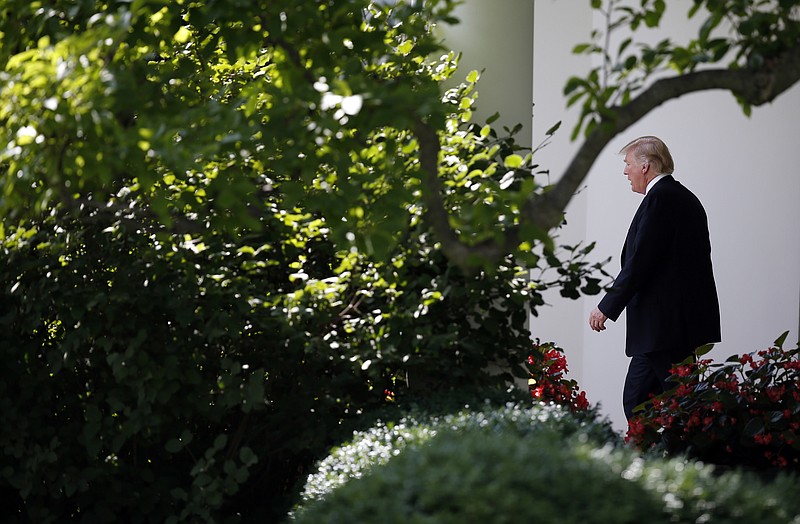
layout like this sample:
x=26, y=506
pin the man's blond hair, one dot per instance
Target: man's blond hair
x=651, y=150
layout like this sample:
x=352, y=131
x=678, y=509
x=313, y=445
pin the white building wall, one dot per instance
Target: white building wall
x=743, y=169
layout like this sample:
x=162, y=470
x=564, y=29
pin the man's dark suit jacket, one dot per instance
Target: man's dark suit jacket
x=666, y=282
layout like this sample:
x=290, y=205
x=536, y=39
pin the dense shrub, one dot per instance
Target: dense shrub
x=493, y=471
x=376, y=445
x=150, y=375
x=743, y=412
x=477, y=475
x=133, y=386
x=692, y=492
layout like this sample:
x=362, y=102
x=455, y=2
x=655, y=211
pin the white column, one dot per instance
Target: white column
x=497, y=37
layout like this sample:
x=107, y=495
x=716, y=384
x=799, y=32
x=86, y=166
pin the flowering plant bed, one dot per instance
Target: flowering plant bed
x=547, y=366
x=743, y=412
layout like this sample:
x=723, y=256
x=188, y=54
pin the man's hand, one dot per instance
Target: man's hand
x=597, y=320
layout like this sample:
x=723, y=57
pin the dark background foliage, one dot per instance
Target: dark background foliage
x=150, y=375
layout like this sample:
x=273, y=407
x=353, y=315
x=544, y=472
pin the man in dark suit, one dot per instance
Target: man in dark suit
x=666, y=282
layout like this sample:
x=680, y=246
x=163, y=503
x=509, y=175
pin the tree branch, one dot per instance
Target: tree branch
x=467, y=256
x=754, y=87
x=545, y=211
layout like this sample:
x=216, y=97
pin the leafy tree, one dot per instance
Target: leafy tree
x=200, y=108
x=204, y=110
x=215, y=253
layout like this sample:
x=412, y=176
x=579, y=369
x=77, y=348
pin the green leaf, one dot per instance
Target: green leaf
x=220, y=442
x=405, y=47
x=573, y=83
x=247, y=456
x=492, y=118
x=781, y=339
x=553, y=129
x=592, y=286
x=753, y=428
x=702, y=350
x=624, y=45
x=186, y=437
x=652, y=18
x=581, y=48
x=173, y=445
x=709, y=25
x=513, y=161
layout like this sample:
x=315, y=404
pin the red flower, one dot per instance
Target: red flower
x=636, y=429
x=537, y=392
x=732, y=385
x=683, y=370
x=764, y=439
x=547, y=365
x=582, y=402
x=684, y=390
x=558, y=362
x=775, y=393
x=780, y=461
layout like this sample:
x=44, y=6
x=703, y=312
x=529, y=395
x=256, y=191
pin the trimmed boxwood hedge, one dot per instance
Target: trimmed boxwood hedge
x=518, y=464
x=386, y=439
